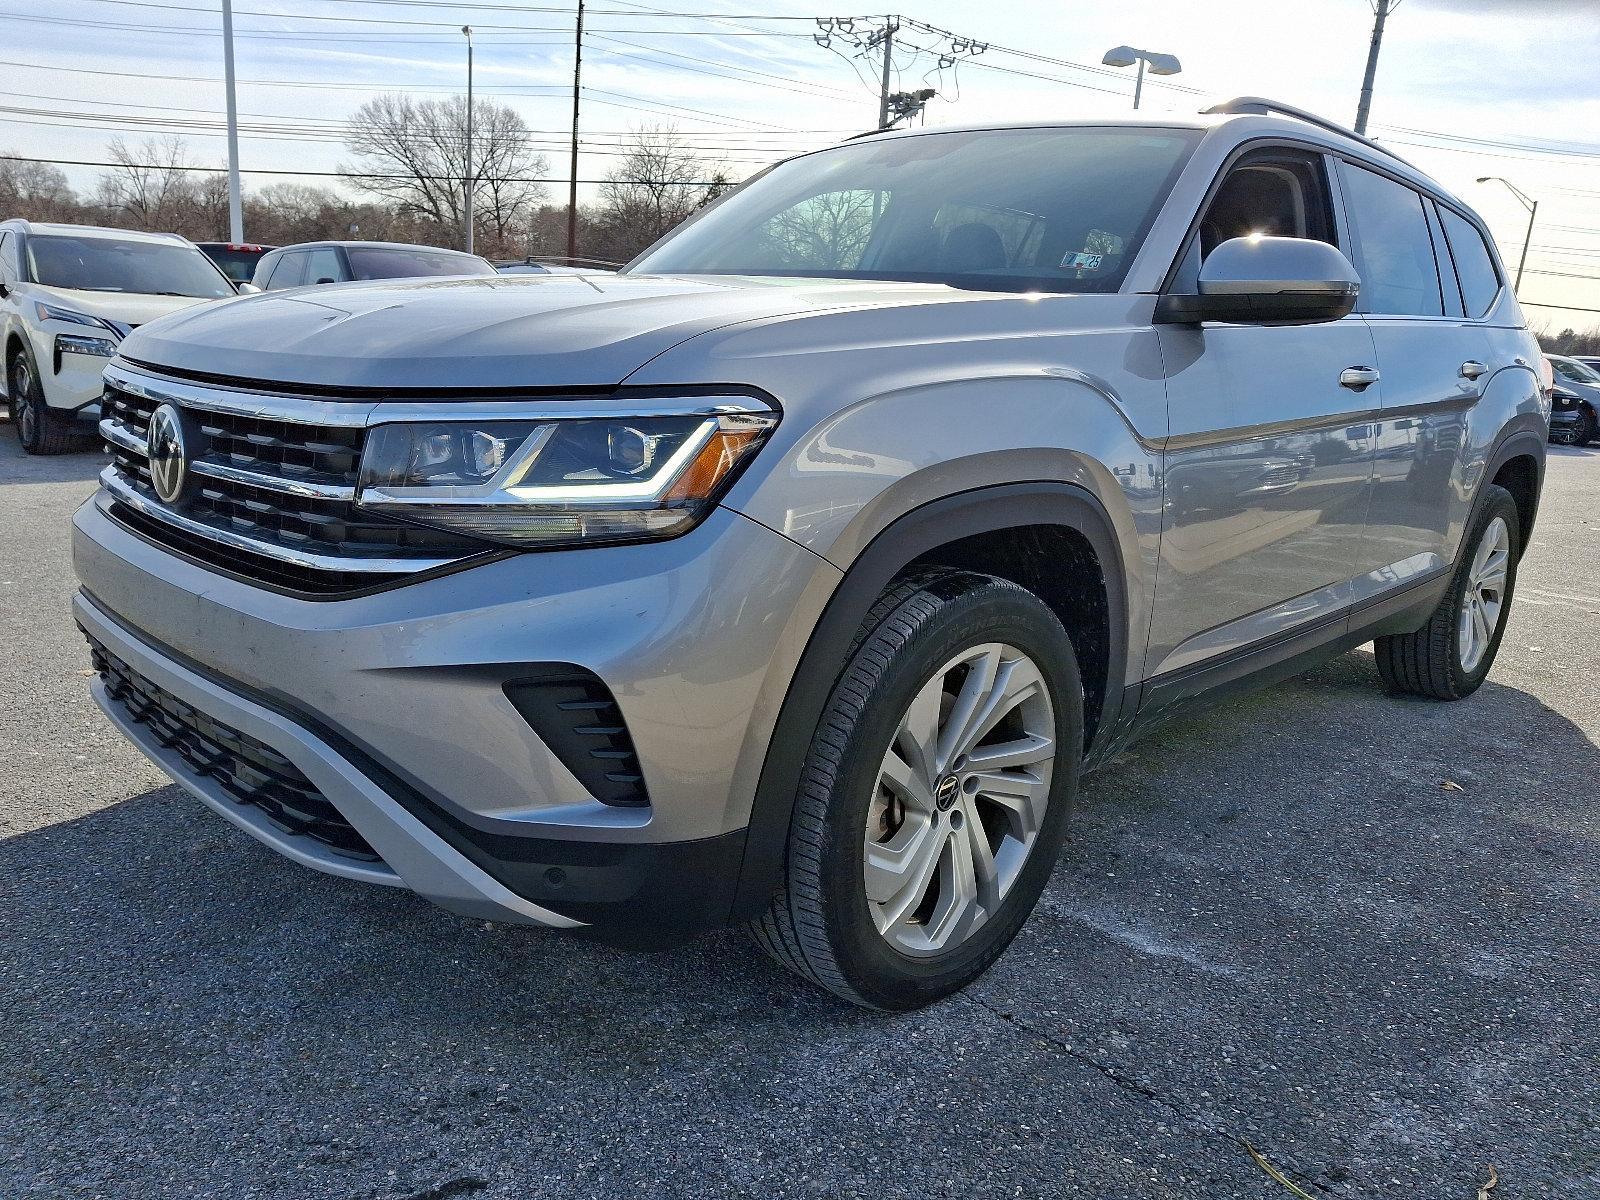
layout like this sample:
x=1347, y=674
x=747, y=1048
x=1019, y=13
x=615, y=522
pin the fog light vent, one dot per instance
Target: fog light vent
x=577, y=717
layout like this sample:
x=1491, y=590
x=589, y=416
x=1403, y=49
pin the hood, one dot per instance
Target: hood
x=125, y=308
x=576, y=331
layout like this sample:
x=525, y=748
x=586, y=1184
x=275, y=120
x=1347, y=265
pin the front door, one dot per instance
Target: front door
x=1268, y=464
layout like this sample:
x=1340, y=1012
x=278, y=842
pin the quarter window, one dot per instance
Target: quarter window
x=290, y=271
x=323, y=266
x=1480, y=282
x=1398, y=272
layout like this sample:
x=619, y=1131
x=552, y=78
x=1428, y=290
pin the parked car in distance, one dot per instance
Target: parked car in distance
x=69, y=294
x=548, y=265
x=791, y=576
x=312, y=263
x=237, y=260
x=1575, y=401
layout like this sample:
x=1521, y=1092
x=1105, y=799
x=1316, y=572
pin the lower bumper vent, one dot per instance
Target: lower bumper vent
x=248, y=771
x=575, y=714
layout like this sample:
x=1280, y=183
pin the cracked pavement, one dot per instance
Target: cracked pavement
x=1358, y=932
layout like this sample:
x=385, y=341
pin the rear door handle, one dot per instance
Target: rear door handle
x=1471, y=369
x=1358, y=379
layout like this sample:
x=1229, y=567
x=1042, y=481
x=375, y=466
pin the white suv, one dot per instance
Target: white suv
x=69, y=294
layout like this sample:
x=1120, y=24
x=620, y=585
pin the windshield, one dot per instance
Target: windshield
x=237, y=265
x=384, y=262
x=101, y=264
x=1574, y=371
x=1061, y=210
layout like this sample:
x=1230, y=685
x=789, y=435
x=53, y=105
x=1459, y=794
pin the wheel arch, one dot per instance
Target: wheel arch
x=1517, y=464
x=1015, y=524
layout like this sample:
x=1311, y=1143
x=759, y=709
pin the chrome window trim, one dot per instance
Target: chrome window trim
x=125, y=494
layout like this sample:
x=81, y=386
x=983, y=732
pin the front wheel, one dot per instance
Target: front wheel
x=1449, y=657
x=934, y=800
x=39, y=429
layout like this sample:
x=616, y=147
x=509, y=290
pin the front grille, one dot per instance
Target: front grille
x=248, y=771
x=270, y=499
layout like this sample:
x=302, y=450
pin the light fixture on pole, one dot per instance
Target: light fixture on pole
x=1159, y=64
x=469, y=180
x=1528, y=203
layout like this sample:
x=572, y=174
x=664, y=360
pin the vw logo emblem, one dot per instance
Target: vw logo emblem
x=169, y=458
x=944, y=793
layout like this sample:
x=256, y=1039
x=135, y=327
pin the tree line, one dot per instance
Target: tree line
x=404, y=173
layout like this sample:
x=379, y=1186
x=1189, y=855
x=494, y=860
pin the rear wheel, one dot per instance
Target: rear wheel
x=1449, y=657
x=40, y=430
x=934, y=801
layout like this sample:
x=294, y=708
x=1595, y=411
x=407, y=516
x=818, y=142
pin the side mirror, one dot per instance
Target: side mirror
x=326, y=279
x=248, y=289
x=1268, y=281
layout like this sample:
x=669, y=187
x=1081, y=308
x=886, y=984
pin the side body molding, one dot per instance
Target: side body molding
x=967, y=514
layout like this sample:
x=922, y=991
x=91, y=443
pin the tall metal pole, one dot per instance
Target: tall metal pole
x=1381, y=8
x=888, y=65
x=1138, y=83
x=470, y=180
x=235, y=199
x=572, y=187
x=1526, y=242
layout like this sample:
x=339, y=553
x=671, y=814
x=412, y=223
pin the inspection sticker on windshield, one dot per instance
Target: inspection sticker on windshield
x=1082, y=260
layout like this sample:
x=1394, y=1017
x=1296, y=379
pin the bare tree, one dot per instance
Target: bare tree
x=827, y=231
x=149, y=183
x=36, y=190
x=413, y=155
x=656, y=184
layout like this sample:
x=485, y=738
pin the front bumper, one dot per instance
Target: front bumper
x=72, y=382
x=393, y=705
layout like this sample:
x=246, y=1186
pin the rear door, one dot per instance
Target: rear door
x=1269, y=460
x=1435, y=356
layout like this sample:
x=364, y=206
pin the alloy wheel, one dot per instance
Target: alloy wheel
x=960, y=798
x=1484, y=601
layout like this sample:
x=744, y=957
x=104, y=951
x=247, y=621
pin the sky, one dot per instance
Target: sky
x=1465, y=88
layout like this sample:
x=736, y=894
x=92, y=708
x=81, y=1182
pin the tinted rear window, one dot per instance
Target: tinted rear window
x=1474, y=265
x=237, y=265
x=382, y=262
x=1398, y=273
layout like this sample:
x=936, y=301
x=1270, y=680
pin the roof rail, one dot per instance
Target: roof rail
x=1261, y=106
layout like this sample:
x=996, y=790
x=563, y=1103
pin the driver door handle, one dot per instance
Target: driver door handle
x=1358, y=379
x=1471, y=369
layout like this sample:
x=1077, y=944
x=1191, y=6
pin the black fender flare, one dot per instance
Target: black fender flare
x=1517, y=442
x=948, y=519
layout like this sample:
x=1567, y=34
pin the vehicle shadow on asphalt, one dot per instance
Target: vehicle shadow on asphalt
x=1343, y=926
x=18, y=466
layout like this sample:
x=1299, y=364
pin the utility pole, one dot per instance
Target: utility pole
x=1527, y=202
x=886, y=37
x=235, y=198
x=572, y=187
x=470, y=180
x=1380, y=10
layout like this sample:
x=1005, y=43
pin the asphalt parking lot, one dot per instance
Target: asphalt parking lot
x=1359, y=933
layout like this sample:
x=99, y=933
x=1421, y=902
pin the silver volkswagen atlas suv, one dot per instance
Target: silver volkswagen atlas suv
x=792, y=576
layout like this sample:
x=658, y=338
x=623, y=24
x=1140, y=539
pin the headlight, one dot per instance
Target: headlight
x=562, y=481
x=97, y=347
x=54, y=312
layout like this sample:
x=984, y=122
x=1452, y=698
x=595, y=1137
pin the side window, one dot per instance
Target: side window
x=324, y=266
x=1277, y=193
x=1398, y=273
x=1480, y=282
x=1448, y=283
x=290, y=272
x=8, y=270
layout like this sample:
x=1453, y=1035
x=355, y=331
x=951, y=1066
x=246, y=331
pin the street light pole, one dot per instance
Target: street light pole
x=469, y=180
x=235, y=198
x=1127, y=56
x=1532, y=206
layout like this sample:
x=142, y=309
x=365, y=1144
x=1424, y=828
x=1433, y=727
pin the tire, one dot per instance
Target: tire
x=1435, y=660
x=926, y=647
x=38, y=427
x=1586, y=430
